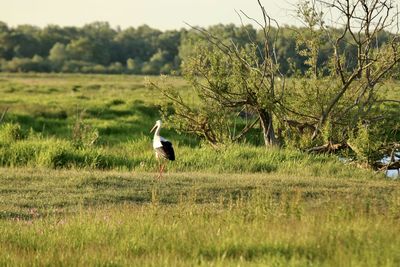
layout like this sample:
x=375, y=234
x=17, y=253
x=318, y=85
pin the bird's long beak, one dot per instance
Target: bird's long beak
x=154, y=127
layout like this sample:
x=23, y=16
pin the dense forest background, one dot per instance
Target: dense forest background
x=99, y=48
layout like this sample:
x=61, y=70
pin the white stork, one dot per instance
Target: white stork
x=162, y=147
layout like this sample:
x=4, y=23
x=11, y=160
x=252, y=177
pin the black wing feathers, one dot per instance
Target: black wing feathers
x=167, y=151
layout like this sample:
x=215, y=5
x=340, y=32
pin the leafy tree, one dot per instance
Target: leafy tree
x=25, y=41
x=58, y=55
x=6, y=45
x=3, y=27
x=341, y=101
x=156, y=62
x=353, y=90
x=133, y=66
x=169, y=43
x=322, y=109
x=80, y=49
x=229, y=78
x=137, y=43
x=52, y=34
x=101, y=36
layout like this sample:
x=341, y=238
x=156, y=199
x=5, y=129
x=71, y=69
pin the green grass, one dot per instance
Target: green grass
x=18, y=149
x=121, y=107
x=66, y=202
x=71, y=217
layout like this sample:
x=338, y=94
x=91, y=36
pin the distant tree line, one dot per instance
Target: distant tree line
x=98, y=48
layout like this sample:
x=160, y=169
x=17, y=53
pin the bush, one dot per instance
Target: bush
x=75, y=66
x=10, y=132
x=34, y=64
x=366, y=143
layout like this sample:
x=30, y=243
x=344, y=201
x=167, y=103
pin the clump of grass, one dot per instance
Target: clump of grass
x=53, y=114
x=34, y=150
x=116, y=102
x=10, y=132
x=242, y=158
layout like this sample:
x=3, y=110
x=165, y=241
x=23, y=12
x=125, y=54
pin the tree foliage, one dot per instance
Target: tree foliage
x=344, y=97
x=333, y=103
x=97, y=44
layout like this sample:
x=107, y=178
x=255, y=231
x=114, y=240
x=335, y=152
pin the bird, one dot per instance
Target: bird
x=162, y=147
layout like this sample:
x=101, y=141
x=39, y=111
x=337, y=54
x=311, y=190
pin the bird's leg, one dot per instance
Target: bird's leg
x=161, y=171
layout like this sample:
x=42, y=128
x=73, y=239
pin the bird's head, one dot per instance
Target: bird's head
x=157, y=125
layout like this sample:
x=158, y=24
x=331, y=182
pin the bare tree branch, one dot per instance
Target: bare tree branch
x=3, y=115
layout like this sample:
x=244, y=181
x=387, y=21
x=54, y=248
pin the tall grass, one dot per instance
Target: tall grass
x=122, y=219
x=74, y=202
x=30, y=149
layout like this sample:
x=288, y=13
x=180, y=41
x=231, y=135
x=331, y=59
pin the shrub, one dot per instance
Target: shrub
x=10, y=132
x=35, y=64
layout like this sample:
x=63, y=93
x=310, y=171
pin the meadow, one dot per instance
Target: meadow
x=108, y=218
x=77, y=188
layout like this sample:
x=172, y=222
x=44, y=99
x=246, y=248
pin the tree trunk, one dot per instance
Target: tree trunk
x=267, y=128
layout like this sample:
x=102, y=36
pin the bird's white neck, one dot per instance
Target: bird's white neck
x=157, y=131
x=157, y=138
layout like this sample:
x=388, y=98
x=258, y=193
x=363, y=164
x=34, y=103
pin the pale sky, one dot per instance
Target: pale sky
x=160, y=14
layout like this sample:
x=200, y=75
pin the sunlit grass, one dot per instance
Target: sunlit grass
x=120, y=106
x=62, y=204
x=119, y=218
x=138, y=155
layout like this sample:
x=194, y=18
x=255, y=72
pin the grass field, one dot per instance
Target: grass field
x=96, y=218
x=64, y=203
x=120, y=107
